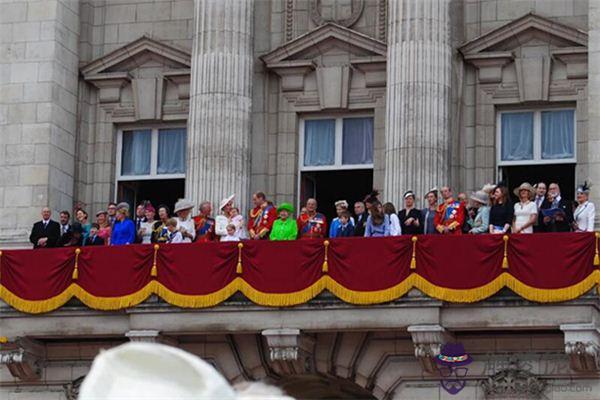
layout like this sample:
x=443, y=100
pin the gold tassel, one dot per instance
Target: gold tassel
x=597, y=256
x=238, y=268
x=413, y=260
x=325, y=263
x=76, y=270
x=154, y=270
x=505, y=259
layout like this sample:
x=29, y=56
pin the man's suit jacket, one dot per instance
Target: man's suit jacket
x=94, y=241
x=360, y=224
x=51, y=231
x=556, y=226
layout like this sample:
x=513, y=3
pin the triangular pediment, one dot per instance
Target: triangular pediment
x=529, y=29
x=327, y=38
x=139, y=52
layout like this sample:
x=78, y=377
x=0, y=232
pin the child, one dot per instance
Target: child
x=174, y=235
x=93, y=239
x=231, y=234
x=345, y=228
x=238, y=221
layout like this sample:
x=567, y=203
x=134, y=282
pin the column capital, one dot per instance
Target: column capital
x=428, y=341
x=582, y=346
x=290, y=350
x=150, y=336
x=23, y=358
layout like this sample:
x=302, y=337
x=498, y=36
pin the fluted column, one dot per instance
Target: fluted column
x=593, y=145
x=419, y=66
x=220, y=101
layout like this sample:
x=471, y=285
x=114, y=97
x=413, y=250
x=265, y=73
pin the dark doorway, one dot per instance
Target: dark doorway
x=329, y=186
x=563, y=174
x=163, y=191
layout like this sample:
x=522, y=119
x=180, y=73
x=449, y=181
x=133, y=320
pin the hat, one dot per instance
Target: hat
x=433, y=190
x=341, y=203
x=524, y=186
x=123, y=206
x=585, y=188
x=453, y=355
x=149, y=207
x=183, y=204
x=372, y=197
x=285, y=206
x=152, y=371
x=409, y=193
x=101, y=212
x=488, y=188
x=481, y=197
x=225, y=201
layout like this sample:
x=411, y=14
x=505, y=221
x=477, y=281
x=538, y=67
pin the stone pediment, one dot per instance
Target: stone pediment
x=530, y=28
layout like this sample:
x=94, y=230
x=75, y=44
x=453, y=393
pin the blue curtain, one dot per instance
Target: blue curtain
x=358, y=141
x=557, y=134
x=136, y=151
x=517, y=136
x=319, y=142
x=171, y=151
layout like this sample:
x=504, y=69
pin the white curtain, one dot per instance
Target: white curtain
x=517, y=136
x=319, y=142
x=557, y=134
x=171, y=151
x=358, y=141
x=136, y=152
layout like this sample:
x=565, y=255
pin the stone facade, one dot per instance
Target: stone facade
x=433, y=74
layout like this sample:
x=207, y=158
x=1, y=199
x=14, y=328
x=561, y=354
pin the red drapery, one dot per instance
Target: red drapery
x=543, y=268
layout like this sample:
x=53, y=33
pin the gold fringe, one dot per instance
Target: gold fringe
x=154, y=270
x=238, y=268
x=76, y=269
x=459, y=295
x=553, y=295
x=371, y=297
x=197, y=301
x=284, y=299
x=36, y=306
x=325, y=268
x=413, y=259
x=113, y=303
x=505, y=258
x=597, y=256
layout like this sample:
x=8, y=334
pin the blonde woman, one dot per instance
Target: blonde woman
x=525, y=211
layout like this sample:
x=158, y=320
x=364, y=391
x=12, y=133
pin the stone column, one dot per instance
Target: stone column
x=220, y=101
x=419, y=65
x=593, y=147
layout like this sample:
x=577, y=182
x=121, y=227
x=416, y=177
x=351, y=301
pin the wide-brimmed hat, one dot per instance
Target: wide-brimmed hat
x=453, y=355
x=481, y=197
x=152, y=371
x=433, y=190
x=409, y=193
x=285, y=206
x=101, y=212
x=524, y=186
x=341, y=203
x=123, y=206
x=183, y=204
x=488, y=188
x=226, y=201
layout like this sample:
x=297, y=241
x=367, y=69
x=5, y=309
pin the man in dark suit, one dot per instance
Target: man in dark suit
x=560, y=220
x=45, y=233
x=360, y=219
x=93, y=239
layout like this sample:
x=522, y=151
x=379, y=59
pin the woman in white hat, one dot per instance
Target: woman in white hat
x=585, y=213
x=230, y=215
x=526, y=211
x=185, y=224
x=480, y=223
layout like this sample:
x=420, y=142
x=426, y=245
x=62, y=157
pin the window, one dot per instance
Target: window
x=157, y=153
x=336, y=143
x=536, y=137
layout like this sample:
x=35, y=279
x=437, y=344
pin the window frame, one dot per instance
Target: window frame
x=154, y=175
x=339, y=137
x=537, y=137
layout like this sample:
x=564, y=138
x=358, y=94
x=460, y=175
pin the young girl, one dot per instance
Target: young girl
x=231, y=234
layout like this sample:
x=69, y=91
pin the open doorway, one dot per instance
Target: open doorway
x=563, y=174
x=160, y=191
x=329, y=186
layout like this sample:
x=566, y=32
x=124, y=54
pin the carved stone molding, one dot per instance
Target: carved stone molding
x=582, y=346
x=513, y=383
x=576, y=60
x=150, y=336
x=290, y=351
x=316, y=14
x=23, y=358
x=490, y=65
x=428, y=341
x=72, y=388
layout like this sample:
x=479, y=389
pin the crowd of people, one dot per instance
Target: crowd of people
x=539, y=208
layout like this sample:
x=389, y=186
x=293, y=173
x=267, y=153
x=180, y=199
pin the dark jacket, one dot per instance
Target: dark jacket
x=94, y=241
x=51, y=231
x=345, y=231
x=411, y=229
x=360, y=224
x=69, y=240
x=553, y=225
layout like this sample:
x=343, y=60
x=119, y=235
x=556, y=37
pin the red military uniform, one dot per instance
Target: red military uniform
x=205, y=228
x=451, y=215
x=310, y=227
x=261, y=220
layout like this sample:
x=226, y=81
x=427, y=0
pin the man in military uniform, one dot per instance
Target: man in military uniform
x=312, y=224
x=261, y=217
x=204, y=223
x=450, y=215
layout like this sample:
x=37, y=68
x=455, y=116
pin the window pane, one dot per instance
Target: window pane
x=171, y=151
x=517, y=136
x=319, y=142
x=135, y=159
x=558, y=134
x=357, y=141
